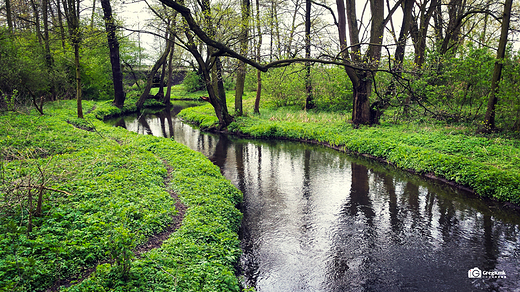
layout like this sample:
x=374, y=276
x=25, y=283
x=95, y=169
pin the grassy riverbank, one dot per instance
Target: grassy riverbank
x=489, y=165
x=105, y=192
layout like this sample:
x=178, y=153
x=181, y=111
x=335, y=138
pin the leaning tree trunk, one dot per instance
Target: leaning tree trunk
x=146, y=93
x=160, y=93
x=489, y=122
x=113, y=44
x=166, y=99
x=259, y=73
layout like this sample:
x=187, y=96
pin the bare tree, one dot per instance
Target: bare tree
x=241, y=72
x=419, y=27
x=309, y=101
x=72, y=13
x=113, y=45
x=489, y=122
x=258, y=59
x=9, y=15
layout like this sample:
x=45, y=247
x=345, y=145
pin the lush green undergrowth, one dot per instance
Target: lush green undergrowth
x=104, y=192
x=490, y=165
x=179, y=92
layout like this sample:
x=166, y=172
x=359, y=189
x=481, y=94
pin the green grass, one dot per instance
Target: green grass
x=490, y=165
x=178, y=92
x=104, y=109
x=106, y=192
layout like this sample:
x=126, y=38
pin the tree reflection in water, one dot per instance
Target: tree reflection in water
x=319, y=220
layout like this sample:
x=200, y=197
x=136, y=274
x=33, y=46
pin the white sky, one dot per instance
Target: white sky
x=136, y=15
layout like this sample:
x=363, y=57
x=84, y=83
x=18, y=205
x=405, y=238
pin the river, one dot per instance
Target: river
x=316, y=219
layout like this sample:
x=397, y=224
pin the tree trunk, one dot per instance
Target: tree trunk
x=489, y=122
x=149, y=81
x=288, y=49
x=113, y=45
x=78, y=80
x=215, y=87
x=72, y=10
x=225, y=118
x=309, y=101
x=399, y=55
x=173, y=34
x=362, y=79
x=94, y=12
x=456, y=9
x=239, y=88
x=37, y=22
x=350, y=6
x=277, y=33
x=258, y=58
x=60, y=24
x=160, y=93
x=48, y=56
x=45, y=15
x=401, y=42
x=241, y=72
x=258, y=91
x=166, y=99
x=9, y=15
x=361, y=110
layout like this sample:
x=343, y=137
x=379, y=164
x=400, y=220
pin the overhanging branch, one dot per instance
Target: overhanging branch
x=223, y=50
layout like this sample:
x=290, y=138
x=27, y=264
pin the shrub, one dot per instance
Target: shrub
x=192, y=82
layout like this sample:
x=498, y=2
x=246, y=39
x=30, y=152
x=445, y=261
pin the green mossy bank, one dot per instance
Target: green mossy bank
x=490, y=166
x=105, y=191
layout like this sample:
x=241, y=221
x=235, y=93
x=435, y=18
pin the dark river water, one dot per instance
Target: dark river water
x=316, y=219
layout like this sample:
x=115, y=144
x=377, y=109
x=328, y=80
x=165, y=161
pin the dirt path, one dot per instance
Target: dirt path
x=157, y=240
x=154, y=241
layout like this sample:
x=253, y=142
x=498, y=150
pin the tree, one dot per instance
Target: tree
x=166, y=99
x=241, y=72
x=360, y=65
x=361, y=79
x=489, y=122
x=113, y=45
x=72, y=12
x=309, y=102
x=9, y=15
x=146, y=93
x=419, y=28
x=217, y=94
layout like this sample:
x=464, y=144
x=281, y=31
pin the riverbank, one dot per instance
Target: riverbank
x=487, y=165
x=104, y=193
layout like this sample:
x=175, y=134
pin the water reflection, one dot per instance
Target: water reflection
x=318, y=220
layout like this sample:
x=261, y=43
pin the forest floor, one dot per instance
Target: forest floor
x=487, y=164
x=109, y=208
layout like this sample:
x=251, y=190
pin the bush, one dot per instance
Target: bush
x=192, y=82
x=331, y=87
